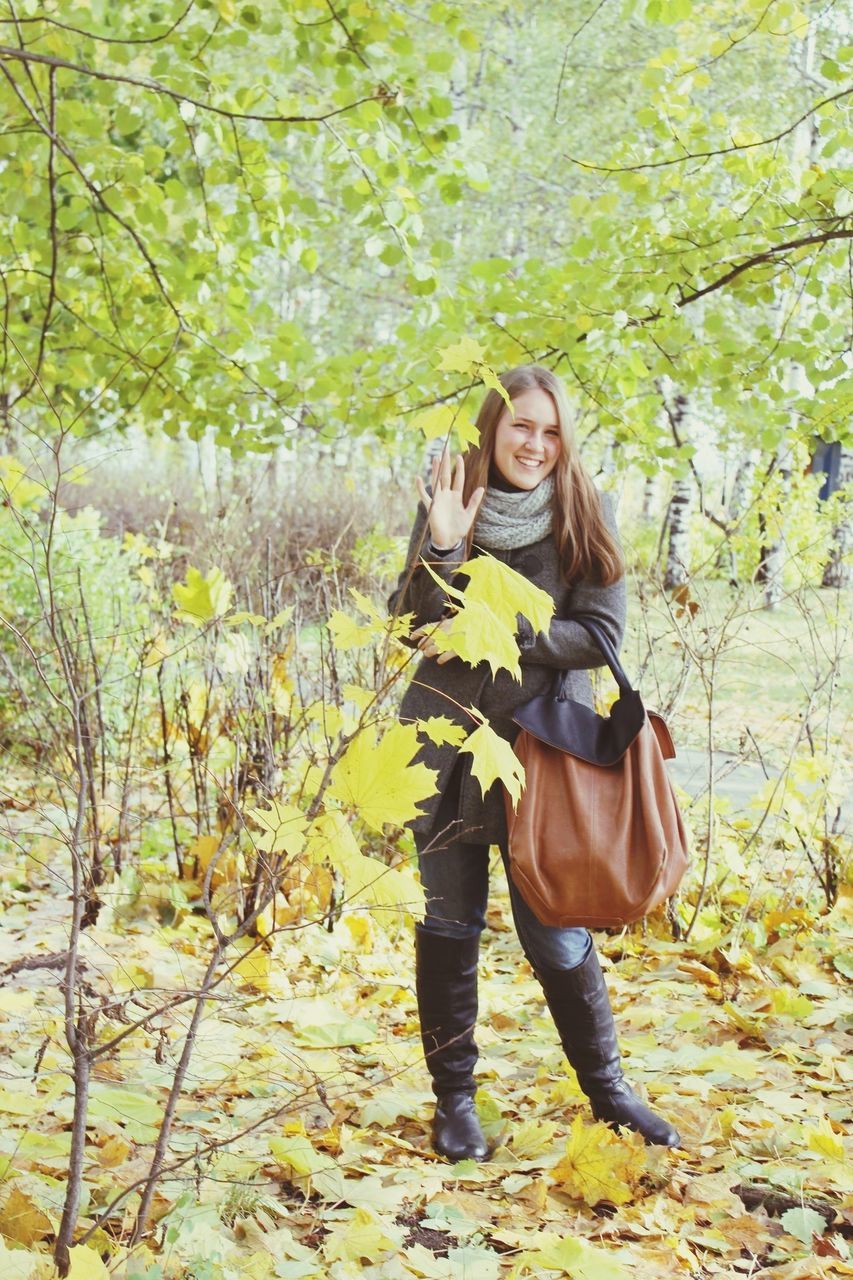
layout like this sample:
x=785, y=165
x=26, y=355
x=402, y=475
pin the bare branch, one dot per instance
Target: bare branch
x=92, y=35
x=707, y=155
x=7, y=52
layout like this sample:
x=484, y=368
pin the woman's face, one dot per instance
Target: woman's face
x=528, y=443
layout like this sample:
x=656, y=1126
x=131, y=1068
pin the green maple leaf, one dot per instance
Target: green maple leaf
x=377, y=779
x=493, y=758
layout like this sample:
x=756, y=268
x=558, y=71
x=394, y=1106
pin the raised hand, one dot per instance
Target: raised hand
x=450, y=517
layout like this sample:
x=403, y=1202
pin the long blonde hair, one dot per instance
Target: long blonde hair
x=586, y=545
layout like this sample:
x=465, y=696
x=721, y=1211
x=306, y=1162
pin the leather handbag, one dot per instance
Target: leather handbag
x=596, y=839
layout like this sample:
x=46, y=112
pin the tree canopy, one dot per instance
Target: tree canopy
x=202, y=198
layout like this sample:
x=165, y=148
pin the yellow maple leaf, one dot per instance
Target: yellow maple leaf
x=206, y=849
x=435, y=422
x=295, y=1151
x=17, y=488
x=202, y=599
x=276, y=913
x=281, y=619
x=159, y=649
x=242, y=615
x=493, y=758
x=571, y=1257
x=492, y=380
x=349, y=634
x=18, y=1264
x=21, y=1220
x=367, y=881
x=507, y=593
x=485, y=623
x=362, y=1238
x=461, y=357
x=283, y=827
x=823, y=1140
x=113, y=1152
x=598, y=1165
x=443, y=421
x=475, y=635
x=137, y=544
x=532, y=1138
x=359, y=696
x=441, y=729
x=86, y=1264
x=255, y=968
x=377, y=780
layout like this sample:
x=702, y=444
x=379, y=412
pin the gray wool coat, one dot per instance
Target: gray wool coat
x=447, y=688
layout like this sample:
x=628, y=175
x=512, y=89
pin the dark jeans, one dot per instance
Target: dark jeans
x=455, y=878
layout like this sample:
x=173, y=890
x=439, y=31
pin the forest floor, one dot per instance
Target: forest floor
x=301, y=1145
x=304, y=1124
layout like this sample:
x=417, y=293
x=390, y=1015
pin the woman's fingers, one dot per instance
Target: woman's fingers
x=459, y=477
x=474, y=502
x=426, y=643
x=444, y=469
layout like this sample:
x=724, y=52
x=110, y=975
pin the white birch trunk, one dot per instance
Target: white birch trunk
x=677, y=573
x=677, y=528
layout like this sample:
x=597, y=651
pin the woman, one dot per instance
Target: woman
x=524, y=497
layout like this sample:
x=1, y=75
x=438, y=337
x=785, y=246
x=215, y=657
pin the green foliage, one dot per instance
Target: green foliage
x=162, y=190
x=92, y=594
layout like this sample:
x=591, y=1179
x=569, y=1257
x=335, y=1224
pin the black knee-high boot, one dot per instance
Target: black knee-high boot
x=580, y=1007
x=446, y=979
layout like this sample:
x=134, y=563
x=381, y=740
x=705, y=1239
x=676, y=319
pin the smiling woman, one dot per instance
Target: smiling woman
x=524, y=497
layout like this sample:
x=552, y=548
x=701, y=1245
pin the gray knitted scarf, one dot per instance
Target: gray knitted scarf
x=509, y=520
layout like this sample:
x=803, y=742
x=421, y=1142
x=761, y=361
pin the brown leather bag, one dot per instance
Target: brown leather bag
x=596, y=839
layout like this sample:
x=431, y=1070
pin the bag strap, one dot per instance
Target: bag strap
x=600, y=636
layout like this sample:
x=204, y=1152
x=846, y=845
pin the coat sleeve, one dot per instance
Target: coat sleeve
x=417, y=592
x=566, y=644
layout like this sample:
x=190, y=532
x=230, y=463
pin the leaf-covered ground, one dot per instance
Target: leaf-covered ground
x=304, y=1129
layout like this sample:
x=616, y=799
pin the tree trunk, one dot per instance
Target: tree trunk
x=676, y=573
x=726, y=560
x=839, y=571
